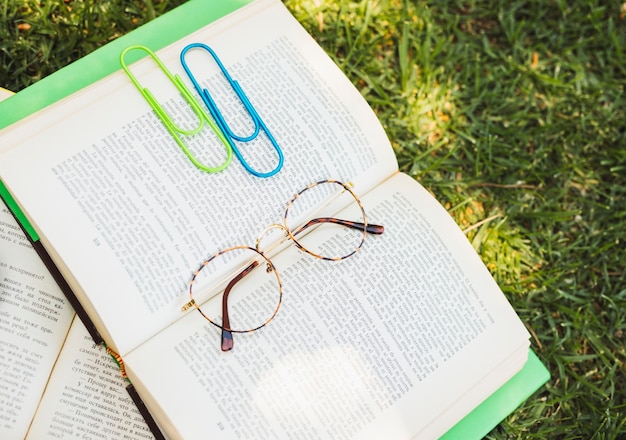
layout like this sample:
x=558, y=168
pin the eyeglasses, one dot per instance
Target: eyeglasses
x=251, y=296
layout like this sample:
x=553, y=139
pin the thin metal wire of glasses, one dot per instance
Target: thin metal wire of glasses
x=251, y=296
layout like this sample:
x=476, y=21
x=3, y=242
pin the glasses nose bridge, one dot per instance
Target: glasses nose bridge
x=264, y=234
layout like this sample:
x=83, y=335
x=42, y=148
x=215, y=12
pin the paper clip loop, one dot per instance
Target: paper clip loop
x=212, y=106
x=175, y=130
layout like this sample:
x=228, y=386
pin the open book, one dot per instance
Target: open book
x=404, y=338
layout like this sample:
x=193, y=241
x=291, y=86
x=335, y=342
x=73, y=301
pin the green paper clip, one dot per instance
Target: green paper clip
x=174, y=130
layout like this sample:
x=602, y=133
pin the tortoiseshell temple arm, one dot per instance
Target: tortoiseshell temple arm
x=227, y=335
x=370, y=228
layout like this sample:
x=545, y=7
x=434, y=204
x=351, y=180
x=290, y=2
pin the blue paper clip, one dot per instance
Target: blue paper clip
x=212, y=106
x=174, y=130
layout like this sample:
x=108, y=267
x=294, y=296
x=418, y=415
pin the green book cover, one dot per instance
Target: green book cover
x=179, y=22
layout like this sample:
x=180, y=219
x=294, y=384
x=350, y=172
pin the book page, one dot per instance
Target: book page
x=34, y=320
x=376, y=345
x=86, y=396
x=127, y=216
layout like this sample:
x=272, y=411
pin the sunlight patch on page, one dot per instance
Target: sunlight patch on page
x=295, y=392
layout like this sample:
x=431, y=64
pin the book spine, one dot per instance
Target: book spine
x=143, y=410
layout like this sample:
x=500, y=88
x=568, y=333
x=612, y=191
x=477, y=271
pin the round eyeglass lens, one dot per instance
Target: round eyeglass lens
x=326, y=220
x=237, y=289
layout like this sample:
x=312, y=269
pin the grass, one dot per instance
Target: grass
x=511, y=113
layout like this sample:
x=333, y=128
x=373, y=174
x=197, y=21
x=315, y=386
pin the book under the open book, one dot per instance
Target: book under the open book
x=402, y=339
x=54, y=383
